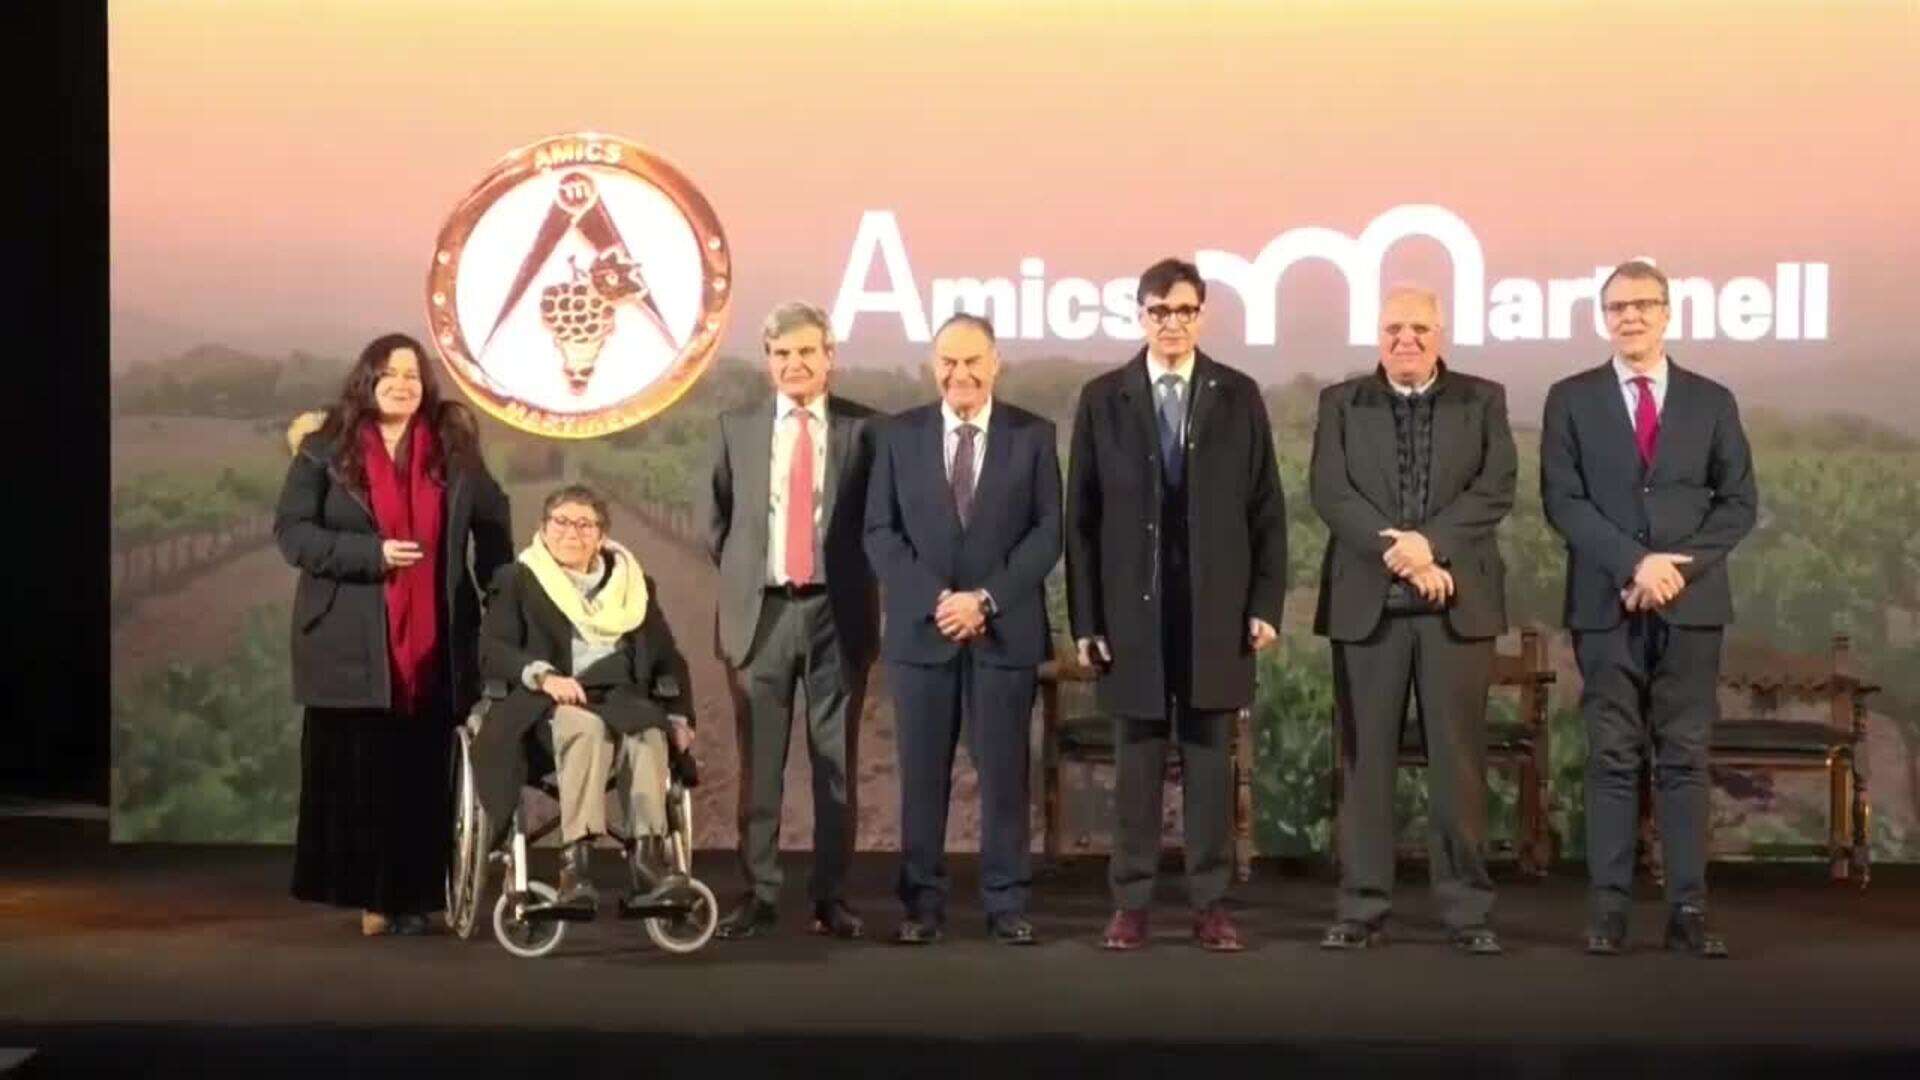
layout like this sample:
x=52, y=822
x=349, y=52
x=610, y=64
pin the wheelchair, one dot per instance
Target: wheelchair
x=684, y=929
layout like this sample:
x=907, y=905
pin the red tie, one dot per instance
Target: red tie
x=1646, y=420
x=800, y=504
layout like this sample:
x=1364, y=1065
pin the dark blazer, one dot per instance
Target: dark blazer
x=327, y=529
x=914, y=538
x=1236, y=524
x=634, y=688
x=733, y=511
x=1698, y=499
x=1356, y=489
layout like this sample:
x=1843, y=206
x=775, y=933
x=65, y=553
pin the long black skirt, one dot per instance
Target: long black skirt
x=376, y=808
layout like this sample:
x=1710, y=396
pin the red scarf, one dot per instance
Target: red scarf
x=407, y=505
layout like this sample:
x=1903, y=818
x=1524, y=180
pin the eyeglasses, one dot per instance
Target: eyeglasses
x=584, y=526
x=1392, y=330
x=1617, y=308
x=1184, y=314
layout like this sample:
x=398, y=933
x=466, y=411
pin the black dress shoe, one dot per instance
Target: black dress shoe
x=1010, y=929
x=753, y=918
x=1687, y=933
x=1607, y=936
x=1477, y=941
x=1348, y=934
x=409, y=925
x=918, y=930
x=578, y=900
x=833, y=918
x=658, y=889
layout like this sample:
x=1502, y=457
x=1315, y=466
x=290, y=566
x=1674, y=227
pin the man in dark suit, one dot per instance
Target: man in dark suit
x=798, y=607
x=1176, y=573
x=963, y=526
x=1413, y=468
x=1644, y=470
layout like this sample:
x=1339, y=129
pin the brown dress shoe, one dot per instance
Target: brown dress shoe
x=1126, y=931
x=1213, y=929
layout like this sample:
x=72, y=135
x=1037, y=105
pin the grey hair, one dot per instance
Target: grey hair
x=1414, y=289
x=794, y=315
x=967, y=318
x=1638, y=270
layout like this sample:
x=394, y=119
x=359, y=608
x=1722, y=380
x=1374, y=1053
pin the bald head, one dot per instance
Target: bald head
x=1411, y=334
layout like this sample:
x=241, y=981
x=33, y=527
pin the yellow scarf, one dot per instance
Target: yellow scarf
x=620, y=605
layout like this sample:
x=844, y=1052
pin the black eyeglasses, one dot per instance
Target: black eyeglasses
x=1184, y=314
x=1617, y=308
x=583, y=526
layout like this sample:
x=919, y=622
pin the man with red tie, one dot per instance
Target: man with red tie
x=798, y=610
x=1645, y=471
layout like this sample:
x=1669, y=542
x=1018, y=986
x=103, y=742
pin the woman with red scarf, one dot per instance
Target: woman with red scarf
x=391, y=516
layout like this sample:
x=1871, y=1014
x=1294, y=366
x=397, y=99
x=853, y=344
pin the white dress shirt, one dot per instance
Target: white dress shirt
x=1409, y=391
x=1631, y=393
x=786, y=427
x=950, y=431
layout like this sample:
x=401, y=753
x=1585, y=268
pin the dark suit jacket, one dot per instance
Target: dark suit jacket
x=1236, y=523
x=733, y=511
x=326, y=528
x=636, y=687
x=1356, y=482
x=1698, y=499
x=918, y=547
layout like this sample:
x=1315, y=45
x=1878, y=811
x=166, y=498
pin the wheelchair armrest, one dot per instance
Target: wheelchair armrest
x=495, y=689
x=491, y=690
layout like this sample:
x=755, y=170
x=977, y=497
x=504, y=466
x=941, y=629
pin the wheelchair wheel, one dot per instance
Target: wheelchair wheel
x=690, y=932
x=467, y=862
x=528, y=938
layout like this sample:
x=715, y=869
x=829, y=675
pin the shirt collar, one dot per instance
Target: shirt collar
x=784, y=407
x=1155, y=369
x=950, y=421
x=1439, y=368
x=1626, y=375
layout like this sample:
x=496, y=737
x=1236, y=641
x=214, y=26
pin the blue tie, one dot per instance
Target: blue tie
x=1173, y=454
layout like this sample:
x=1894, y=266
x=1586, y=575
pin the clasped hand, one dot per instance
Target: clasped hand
x=1410, y=558
x=961, y=616
x=1656, y=581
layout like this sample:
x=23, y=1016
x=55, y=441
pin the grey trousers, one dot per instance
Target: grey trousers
x=586, y=755
x=795, y=647
x=1448, y=677
x=1647, y=682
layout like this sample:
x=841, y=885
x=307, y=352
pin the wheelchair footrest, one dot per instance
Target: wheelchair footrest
x=541, y=911
x=676, y=904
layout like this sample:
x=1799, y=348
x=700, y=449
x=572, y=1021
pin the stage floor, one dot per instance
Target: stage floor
x=181, y=960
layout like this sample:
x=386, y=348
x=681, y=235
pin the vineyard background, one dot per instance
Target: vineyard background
x=206, y=742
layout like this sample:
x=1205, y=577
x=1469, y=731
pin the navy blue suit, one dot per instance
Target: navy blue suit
x=918, y=548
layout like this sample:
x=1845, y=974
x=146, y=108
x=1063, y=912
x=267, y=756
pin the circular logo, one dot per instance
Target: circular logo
x=580, y=288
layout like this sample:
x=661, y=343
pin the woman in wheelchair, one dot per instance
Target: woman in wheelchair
x=575, y=638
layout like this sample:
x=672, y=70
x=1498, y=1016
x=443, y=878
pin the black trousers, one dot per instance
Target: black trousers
x=1447, y=675
x=1205, y=737
x=795, y=646
x=997, y=703
x=1646, y=682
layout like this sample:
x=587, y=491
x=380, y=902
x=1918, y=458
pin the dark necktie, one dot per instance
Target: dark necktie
x=1646, y=421
x=1173, y=417
x=962, y=478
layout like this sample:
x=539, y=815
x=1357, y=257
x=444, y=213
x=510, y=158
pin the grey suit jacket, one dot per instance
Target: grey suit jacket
x=732, y=509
